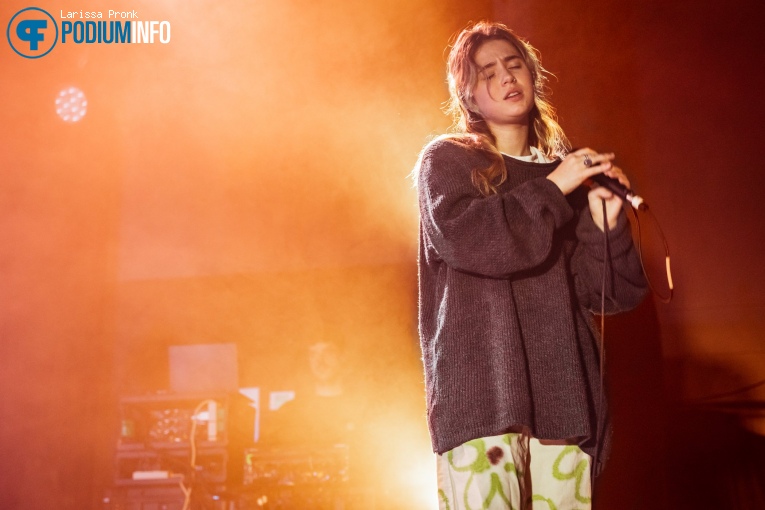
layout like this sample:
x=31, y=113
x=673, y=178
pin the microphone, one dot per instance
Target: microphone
x=620, y=190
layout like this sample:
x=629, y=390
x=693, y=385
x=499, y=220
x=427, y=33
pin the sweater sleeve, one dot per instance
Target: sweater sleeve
x=625, y=284
x=493, y=236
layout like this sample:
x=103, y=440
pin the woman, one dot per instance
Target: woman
x=511, y=268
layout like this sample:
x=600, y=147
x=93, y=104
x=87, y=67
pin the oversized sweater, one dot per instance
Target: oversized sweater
x=508, y=284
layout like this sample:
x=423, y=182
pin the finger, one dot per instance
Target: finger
x=617, y=173
x=601, y=158
x=599, y=192
x=578, y=157
x=597, y=160
x=600, y=168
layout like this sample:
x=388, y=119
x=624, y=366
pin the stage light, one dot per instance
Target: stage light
x=416, y=482
x=71, y=104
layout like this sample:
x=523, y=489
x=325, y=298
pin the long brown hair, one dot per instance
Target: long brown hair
x=471, y=130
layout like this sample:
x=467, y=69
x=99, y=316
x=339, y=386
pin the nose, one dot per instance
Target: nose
x=506, y=75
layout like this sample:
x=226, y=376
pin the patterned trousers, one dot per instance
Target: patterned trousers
x=514, y=472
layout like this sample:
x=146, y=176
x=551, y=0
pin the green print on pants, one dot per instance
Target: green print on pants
x=513, y=472
x=579, y=472
x=487, y=459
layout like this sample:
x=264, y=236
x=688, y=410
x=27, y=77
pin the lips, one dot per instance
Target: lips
x=512, y=94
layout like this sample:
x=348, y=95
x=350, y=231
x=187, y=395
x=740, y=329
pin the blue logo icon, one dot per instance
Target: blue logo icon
x=32, y=32
x=29, y=30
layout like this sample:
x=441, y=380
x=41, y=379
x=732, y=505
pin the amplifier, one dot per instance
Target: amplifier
x=141, y=467
x=167, y=420
x=299, y=466
x=158, y=431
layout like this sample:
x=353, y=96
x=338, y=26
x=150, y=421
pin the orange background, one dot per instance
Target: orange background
x=248, y=183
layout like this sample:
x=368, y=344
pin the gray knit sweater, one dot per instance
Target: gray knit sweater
x=508, y=284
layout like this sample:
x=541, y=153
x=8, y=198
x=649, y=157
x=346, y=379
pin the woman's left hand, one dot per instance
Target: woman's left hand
x=613, y=202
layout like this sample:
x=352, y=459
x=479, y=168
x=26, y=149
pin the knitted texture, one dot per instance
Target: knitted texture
x=508, y=284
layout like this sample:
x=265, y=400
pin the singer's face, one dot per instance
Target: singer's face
x=504, y=91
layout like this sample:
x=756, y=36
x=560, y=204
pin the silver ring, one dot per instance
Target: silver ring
x=587, y=161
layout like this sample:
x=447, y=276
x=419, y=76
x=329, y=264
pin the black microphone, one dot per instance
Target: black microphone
x=620, y=190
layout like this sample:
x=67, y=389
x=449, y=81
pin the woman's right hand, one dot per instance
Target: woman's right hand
x=572, y=171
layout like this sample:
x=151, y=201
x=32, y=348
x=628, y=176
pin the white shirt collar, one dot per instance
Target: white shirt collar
x=536, y=156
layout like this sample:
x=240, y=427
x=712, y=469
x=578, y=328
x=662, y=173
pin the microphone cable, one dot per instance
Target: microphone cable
x=600, y=425
x=600, y=422
x=670, y=285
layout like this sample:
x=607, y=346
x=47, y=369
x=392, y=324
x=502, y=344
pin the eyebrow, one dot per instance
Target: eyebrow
x=504, y=59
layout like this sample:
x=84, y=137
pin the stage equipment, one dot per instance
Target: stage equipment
x=172, y=445
x=285, y=478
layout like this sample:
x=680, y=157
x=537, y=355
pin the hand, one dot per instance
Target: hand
x=613, y=202
x=573, y=172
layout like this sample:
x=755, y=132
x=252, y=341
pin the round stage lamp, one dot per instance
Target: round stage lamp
x=71, y=104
